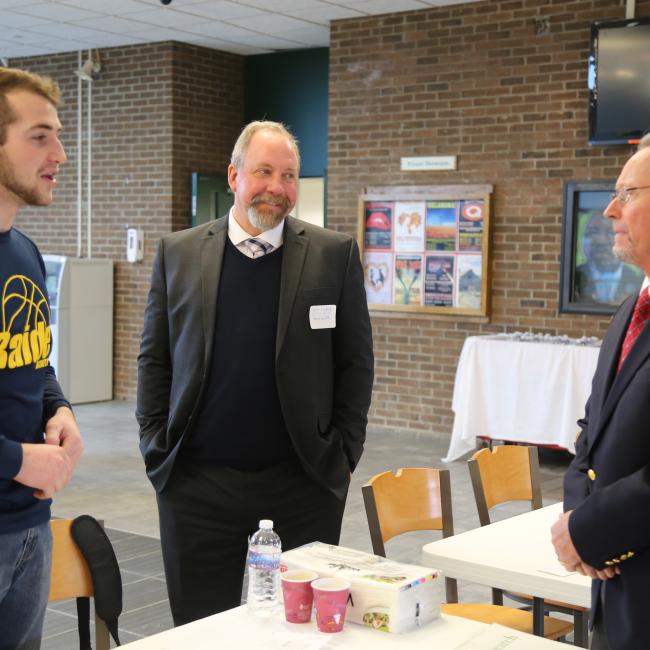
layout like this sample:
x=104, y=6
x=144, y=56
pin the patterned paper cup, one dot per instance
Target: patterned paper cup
x=298, y=595
x=330, y=599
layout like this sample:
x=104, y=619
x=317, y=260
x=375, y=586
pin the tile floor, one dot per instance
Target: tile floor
x=110, y=484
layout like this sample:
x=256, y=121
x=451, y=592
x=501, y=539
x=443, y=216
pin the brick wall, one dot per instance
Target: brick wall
x=474, y=81
x=208, y=101
x=159, y=111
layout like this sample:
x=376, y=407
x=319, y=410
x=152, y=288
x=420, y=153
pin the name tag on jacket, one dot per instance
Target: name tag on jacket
x=322, y=316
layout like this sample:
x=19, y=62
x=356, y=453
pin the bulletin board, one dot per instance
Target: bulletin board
x=426, y=248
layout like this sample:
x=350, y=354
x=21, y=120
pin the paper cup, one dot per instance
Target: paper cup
x=298, y=595
x=331, y=600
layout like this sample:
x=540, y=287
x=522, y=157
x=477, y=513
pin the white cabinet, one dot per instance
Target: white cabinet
x=80, y=292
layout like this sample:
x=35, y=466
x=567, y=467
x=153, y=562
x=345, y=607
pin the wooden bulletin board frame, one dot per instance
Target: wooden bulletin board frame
x=426, y=249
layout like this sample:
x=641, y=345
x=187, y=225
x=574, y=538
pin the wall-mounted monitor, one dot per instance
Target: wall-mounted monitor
x=619, y=81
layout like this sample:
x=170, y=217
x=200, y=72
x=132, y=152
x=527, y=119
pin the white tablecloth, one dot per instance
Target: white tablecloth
x=520, y=392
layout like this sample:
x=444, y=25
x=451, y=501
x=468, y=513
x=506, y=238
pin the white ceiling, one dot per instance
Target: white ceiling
x=35, y=27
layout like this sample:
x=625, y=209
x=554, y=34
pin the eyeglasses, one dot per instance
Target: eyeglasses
x=623, y=196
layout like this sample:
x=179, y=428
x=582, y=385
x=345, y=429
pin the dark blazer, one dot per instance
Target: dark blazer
x=324, y=376
x=610, y=524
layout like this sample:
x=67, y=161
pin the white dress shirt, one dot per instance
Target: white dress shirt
x=238, y=235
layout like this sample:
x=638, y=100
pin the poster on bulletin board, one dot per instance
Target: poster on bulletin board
x=426, y=248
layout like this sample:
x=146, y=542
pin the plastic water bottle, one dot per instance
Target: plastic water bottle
x=263, y=561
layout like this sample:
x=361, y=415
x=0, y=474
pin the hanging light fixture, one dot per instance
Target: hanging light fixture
x=90, y=69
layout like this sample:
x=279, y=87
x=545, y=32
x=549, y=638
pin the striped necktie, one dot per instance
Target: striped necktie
x=257, y=247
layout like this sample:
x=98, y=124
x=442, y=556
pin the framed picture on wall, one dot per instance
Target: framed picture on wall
x=592, y=279
x=426, y=248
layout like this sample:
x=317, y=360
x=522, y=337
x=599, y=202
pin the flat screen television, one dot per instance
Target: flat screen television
x=619, y=81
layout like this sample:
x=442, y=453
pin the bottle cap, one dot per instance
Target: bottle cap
x=267, y=524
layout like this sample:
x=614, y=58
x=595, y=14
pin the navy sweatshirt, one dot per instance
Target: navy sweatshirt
x=29, y=392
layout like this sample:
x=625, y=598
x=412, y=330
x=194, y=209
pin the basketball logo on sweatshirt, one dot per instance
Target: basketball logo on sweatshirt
x=25, y=336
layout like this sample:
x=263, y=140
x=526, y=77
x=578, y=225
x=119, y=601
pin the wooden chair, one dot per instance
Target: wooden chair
x=70, y=576
x=420, y=499
x=511, y=473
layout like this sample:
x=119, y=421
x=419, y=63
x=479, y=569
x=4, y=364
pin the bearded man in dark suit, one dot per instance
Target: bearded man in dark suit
x=255, y=377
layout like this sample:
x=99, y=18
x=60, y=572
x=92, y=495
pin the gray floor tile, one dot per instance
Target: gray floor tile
x=63, y=641
x=148, y=620
x=129, y=577
x=57, y=622
x=135, y=546
x=68, y=607
x=142, y=593
x=150, y=565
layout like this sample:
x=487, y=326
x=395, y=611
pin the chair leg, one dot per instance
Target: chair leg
x=538, y=616
x=580, y=631
x=102, y=636
x=451, y=587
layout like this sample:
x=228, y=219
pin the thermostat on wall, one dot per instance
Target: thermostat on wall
x=134, y=245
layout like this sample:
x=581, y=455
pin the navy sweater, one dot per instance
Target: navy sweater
x=240, y=424
x=29, y=392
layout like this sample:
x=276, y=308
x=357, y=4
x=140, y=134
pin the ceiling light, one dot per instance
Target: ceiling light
x=90, y=69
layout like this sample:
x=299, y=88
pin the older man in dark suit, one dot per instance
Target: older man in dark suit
x=605, y=530
x=255, y=377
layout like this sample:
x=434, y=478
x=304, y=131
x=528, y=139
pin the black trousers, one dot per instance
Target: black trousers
x=599, y=637
x=206, y=515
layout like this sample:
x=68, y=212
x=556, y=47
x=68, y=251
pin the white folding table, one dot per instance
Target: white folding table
x=237, y=629
x=516, y=555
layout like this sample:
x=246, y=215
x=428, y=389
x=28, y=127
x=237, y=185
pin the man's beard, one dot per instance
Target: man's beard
x=262, y=219
x=624, y=253
x=8, y=180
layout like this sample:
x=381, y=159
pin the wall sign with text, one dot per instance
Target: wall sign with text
x=426, y=249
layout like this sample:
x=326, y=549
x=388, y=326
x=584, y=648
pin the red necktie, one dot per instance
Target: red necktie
x=639, y=317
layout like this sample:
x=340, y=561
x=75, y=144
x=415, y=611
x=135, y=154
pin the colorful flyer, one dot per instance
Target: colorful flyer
x=470, y=225
x=439, y=281
x=409, y=226
x=378, y=221
x=378, y=274
x=441, y=225
x=469, y=281
x=407, y=285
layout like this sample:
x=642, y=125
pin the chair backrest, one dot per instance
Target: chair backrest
x=71, y=578
x=505, y=473
x=414, y=498
x=70, y=573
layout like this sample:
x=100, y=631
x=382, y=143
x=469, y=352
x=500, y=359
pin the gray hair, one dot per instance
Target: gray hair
x=245, y=137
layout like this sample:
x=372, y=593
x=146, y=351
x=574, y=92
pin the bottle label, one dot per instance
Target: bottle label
x=264, y=561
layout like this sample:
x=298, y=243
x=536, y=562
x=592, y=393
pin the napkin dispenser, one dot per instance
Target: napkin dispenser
x=385, y=595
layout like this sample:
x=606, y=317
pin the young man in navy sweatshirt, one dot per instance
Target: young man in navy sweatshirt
x=39, y=438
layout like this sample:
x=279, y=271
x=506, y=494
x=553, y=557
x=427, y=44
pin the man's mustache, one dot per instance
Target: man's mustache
x=281, y=201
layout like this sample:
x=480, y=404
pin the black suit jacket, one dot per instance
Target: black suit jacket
x=324, y=376
x=611, y=512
